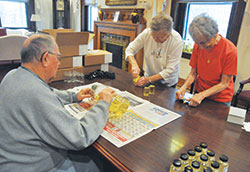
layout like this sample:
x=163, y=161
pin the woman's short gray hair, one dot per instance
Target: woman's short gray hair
x=35, y=46
x=203, y=25
x=162, y=22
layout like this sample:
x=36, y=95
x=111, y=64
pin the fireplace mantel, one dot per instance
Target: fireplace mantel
x=123, y=27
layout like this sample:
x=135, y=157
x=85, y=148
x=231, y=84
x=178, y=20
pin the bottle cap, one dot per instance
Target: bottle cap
x=191, y=152
x=204, y=157
x=215, y=164
x=197, y=149
x=188, y=169
x=223, y=158
x=177, y=163
x=203, y=145
x=196, y=164
x=207, y=169
x=210, y=153
x=184, y=156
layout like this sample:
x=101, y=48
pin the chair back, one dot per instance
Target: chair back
x=10, y=47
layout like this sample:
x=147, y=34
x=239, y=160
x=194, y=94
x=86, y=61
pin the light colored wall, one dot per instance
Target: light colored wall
x=243, y=47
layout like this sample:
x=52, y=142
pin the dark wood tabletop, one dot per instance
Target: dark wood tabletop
x=156, y=151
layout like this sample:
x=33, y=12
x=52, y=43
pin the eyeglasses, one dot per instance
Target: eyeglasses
x=58, y=56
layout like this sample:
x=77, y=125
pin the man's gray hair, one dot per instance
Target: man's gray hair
x=203, y=25
x=35, y=46
x=162, y=22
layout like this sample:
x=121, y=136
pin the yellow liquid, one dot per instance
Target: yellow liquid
x=118, y=106
x=136, y=79
x=146, y=91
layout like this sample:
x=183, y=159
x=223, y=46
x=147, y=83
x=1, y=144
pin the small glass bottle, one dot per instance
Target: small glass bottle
x=188, y=169
x=215, y=166
x=184, y=160
x=196, y=166
x=207, y=169
x=223, y=163
x=203, y=160
x=203, y=146
x=146, y=91
x=176, y=166
x=198, y=152
x=191, y=156
x=151, y=89
x=211, y=156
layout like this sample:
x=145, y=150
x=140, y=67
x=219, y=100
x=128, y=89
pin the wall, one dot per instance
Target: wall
x=244, y=49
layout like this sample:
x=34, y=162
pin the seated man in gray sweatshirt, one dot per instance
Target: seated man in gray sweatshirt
x=36, y=130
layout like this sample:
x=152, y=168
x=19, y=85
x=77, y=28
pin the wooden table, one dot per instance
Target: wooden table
x=156, y=151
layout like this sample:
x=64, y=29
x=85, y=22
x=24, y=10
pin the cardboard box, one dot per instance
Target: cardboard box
x=53, y=32
x=236, y=115
x=70, y=43
x=69, y=62
x=73, y=43
x=95, y=57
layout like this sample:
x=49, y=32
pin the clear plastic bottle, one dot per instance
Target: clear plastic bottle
x=223, y=163
x=198, y=152
x=176, y=166
x=215, y=166
x=184, y=160
x=203, y=160
x=203, y=146
x=196, y=166
x=188, y=169
x=207, y=169
x=191, y=156
x=211, y=156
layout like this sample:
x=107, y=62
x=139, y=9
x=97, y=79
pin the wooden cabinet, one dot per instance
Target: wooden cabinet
x=61, y=14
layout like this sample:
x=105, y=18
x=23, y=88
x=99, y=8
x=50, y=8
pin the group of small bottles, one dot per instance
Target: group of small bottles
x=200, y=159
x=118, y=107
x=150, y=90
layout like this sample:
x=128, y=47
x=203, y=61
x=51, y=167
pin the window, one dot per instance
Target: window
x=91, y=16
x=228, y=15
x=13, y=14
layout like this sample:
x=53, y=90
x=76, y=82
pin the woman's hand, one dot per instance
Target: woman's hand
x=196, y=99
x=142, y=81
x=85, y=93
x=180, y=93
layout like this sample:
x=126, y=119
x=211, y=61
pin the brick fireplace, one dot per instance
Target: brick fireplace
x=115, y=36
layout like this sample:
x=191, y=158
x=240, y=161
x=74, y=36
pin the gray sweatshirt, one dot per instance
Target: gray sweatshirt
x=35, y=129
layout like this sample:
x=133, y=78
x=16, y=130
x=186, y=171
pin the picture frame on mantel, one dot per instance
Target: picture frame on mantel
x=120, y=2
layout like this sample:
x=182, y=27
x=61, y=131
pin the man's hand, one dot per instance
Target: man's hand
x=85, y=93
x=107, y=94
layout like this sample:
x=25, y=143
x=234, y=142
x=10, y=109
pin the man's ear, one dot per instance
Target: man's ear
x=44, y=59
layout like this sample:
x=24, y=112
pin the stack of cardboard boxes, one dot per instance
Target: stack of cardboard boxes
x=75, y=55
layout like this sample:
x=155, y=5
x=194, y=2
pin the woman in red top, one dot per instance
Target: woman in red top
x=213, y=62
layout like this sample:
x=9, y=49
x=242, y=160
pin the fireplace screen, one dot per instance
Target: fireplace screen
x=116, y=44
